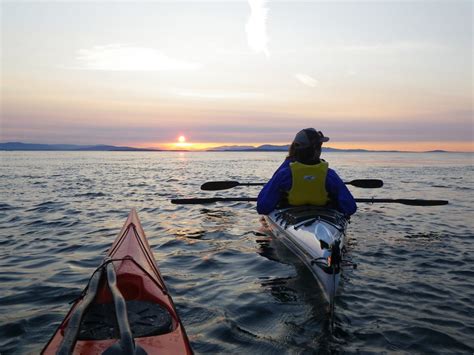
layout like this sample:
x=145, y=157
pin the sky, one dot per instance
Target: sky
x=369, y=74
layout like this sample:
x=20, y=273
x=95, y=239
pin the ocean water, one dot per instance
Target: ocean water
x=236, y=289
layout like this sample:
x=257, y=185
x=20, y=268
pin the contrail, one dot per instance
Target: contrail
x=256, y=27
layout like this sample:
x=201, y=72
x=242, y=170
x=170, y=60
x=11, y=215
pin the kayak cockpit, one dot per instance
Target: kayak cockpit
x=147, y=315
x=119, y=304
x=145, y=319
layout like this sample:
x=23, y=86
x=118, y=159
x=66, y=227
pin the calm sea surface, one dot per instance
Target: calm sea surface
x=236, y=290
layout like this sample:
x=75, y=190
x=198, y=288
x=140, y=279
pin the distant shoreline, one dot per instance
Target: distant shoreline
x=19, y=146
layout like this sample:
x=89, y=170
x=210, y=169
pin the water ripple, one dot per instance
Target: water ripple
x=236, y=289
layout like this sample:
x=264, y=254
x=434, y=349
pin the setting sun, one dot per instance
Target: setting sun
x=182, y=144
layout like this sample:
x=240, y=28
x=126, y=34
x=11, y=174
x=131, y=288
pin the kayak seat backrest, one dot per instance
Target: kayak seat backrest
x=145, y=318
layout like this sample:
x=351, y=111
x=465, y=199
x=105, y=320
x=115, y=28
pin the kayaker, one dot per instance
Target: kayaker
x=305, y=179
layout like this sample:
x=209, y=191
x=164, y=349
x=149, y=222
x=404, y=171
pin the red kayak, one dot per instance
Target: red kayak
x=125, y=308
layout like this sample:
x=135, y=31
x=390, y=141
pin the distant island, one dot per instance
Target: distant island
x=276, y=148
x=70, y=147
x=19, y=146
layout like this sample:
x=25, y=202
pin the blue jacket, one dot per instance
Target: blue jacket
x=281, y=181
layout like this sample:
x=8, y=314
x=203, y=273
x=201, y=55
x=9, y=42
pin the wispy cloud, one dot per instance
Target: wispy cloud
x=117, y=57
x=256, y=27
x=306, y=80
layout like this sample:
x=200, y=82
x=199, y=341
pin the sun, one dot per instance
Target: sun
x=182, y=144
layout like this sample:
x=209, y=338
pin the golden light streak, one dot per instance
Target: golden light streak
x=403, y=146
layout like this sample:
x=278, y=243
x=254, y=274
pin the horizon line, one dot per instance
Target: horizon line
x=213, y=147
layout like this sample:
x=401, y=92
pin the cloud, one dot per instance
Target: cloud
x=256, y=27
x=117, y=57
x=307, y=80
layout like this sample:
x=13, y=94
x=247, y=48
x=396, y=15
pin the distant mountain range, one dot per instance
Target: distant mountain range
x=12, y=146
x=273, y=148
x=70, y=147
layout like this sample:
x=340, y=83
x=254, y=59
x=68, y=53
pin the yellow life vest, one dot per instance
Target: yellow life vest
x=309, y=184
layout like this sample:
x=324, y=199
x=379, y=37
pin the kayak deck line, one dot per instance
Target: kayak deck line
x=145, y=248
x=125, y=305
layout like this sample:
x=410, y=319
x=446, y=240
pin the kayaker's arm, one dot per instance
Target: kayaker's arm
x=340, y=194
x=270, y=195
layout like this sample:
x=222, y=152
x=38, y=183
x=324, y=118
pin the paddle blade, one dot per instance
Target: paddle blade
x=366, y=183
x=423, y=202
x=219, y=185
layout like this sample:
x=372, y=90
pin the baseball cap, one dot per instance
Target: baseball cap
x=308, y=137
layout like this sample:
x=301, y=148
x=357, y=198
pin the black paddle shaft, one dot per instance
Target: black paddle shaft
x=409, y=202
x=197, y=201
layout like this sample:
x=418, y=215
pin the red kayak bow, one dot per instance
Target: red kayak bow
x=125, y=308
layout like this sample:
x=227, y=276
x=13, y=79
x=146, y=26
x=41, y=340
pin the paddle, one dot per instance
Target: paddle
x=404, y=201
x=409, y=202
x=196, y=201
x=224, y=185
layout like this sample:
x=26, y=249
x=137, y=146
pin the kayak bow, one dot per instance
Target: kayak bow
x=125, y=308
x=316, y=236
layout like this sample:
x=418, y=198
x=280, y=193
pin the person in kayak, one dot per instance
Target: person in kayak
x=305, y=179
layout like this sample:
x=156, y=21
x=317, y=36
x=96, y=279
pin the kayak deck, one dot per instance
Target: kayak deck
x=316, y=236
x=126, y=303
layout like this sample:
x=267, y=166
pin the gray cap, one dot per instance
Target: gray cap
x=308, y=137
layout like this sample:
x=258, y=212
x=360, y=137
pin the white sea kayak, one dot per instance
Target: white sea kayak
x=316, y=235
